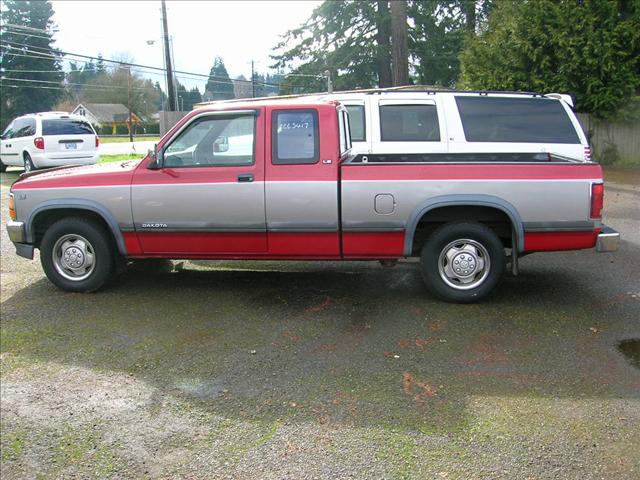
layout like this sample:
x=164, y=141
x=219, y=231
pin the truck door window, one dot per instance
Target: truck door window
x=357, y=123
x=409, y=123
x=295, y=137
x=213, y=141
x=536, y=120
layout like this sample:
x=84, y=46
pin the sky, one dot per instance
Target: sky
x=237, y=31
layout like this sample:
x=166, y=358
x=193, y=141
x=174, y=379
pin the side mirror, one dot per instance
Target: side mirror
x=156, y=158
x=221, y=144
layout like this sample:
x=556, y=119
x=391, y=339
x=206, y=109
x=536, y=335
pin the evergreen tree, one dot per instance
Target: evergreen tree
x=27, y=44
x=100, y=67
x=219, y=86
x=352, y=39
x=590, y=49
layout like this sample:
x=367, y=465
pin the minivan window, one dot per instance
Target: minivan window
x=356, y=123
x=524, y=120
x=295, y=137
x=409, y=123
x=24, y=127
x=66, y=126
x=8, y=132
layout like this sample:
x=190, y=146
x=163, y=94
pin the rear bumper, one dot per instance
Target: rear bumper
x=608, y=240
x=45, y=161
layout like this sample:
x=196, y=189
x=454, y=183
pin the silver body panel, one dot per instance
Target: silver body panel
x=212, y=206
x=544, y=201
x=114, y=199
x=302, y=206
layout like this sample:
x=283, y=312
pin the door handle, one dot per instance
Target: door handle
x=245, y=177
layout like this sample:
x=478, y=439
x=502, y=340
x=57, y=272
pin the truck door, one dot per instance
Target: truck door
x=207, y=199
x=301, y=188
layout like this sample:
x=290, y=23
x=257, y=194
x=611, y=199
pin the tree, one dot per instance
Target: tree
x=187, y=98
x=31, y=67
x=219, y=85
x=113, y=87
x=589, y=48
x=438, y=36
x=341, y=37
x=352, y=39
x=399, y=53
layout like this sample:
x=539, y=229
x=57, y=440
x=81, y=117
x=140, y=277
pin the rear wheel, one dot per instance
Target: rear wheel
x=3, y=167
x=28, y=163
x=76, y=255
x=462, y=262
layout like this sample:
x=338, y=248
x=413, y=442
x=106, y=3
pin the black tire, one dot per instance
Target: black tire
x=28, y=163
x=3, y=167
x=471, y=245
x=72, y=232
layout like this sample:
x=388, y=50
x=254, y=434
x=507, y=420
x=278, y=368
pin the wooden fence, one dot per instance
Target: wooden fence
x=612, y=141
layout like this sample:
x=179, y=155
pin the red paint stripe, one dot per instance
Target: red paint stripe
x=131, y=243
x=202, y=243
x=556, y=241
x=472, y=172
x=303, y=244
x=373, y=244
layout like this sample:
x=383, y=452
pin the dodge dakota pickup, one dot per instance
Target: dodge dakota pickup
x=277, y=179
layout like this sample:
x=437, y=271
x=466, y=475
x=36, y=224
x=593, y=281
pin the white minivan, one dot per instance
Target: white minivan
x=48, y=139
x=390, y=125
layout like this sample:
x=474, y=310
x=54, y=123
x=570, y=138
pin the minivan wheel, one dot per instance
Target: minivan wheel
x=76, y=255
x=28, y=163
x=462, y=262
x=3, y=167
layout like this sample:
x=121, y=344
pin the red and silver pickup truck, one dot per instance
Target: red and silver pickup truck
x=276, y=179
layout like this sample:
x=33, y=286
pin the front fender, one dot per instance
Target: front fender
x=76, y=204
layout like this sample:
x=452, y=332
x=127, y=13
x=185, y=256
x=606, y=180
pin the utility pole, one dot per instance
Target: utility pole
x=128, y=67
x=329, y=84
x=167, y=52
x=253, y=81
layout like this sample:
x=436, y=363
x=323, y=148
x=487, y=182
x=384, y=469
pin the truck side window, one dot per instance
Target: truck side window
x=536, y=120
x=357, y=123
x=213, y=141
x=409, y=123
x=295, y=137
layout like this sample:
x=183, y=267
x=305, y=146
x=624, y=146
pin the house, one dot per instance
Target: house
x=106, y=114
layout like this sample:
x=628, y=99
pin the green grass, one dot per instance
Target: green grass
x=121, y=157
x=126, y=139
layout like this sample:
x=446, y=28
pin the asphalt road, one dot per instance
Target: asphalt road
x=324, y=370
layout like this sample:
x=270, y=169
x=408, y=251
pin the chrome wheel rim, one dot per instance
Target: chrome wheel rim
x=74, y=257
x=27, y=165
x=464, y=264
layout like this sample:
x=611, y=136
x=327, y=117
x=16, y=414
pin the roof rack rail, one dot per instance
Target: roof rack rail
x=429, y=89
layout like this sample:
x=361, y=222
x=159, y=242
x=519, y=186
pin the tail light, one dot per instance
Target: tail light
x=587, y=154
x=597, y=200
x=39, y=143
x=97, y=141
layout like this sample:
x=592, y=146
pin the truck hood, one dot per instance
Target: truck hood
x=101, y=174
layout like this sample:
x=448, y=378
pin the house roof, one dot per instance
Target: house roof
x=108, y=112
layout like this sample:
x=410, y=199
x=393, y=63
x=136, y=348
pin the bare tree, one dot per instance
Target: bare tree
x=399, y=42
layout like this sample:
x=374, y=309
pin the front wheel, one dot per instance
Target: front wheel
x=3, y=167
x=76, y=255
x=462, y=262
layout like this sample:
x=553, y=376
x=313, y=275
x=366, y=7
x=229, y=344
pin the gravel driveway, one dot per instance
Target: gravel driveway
x=300, y=370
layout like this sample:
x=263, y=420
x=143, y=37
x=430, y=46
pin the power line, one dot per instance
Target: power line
x=68, y=83
x=158, y=69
